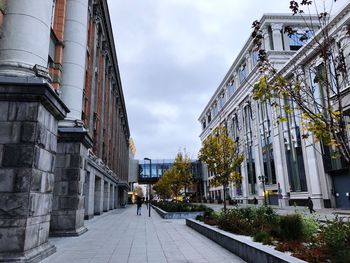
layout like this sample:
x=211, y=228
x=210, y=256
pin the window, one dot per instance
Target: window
x=243, y=73
x=234, y=127
x=317, y=80
x=222, y=100
x=299, y=38
x=209, y=117
x=204, y=124
x=231, y=88
x=255, y=57
x=266, y=143
x=215, y=110
x=294, y=154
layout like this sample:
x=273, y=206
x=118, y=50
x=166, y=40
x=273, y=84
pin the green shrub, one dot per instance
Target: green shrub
x=199, y=218
x=263, y=237
x=311, y=227
x=181, y=207
x=337, y=239
x=291, y=227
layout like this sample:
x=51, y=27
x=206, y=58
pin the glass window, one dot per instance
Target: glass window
x=294, y=154
x=255, y=57
x=209, y=117
x=231, y=88
x=243, y=73
x=215, y=110
x=299, y=38
x=222, y=100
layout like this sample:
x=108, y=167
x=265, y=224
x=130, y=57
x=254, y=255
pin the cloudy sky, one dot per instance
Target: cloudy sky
x=172, y=56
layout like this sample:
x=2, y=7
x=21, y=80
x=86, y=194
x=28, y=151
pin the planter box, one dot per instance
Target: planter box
x=247, y=250
x=177, y=215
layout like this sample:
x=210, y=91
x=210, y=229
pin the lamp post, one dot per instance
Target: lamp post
x=262, y=179
x=149, y=185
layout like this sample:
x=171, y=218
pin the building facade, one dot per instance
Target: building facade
x=64, y=147
x=278, y=162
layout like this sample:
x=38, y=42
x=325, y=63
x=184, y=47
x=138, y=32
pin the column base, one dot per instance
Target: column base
x=88, y=217
x=69, y=233
x=30, y=256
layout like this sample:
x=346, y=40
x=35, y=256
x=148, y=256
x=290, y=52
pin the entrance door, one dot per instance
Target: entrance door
x=342, y=191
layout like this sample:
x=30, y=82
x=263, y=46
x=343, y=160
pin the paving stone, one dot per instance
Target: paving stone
x=123, y=237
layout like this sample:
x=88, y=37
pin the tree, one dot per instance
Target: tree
x=182, y=170
x=317, y=102
x=162, y=187
x=221, y=154
x=178, y=177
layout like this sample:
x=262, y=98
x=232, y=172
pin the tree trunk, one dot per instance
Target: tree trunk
x=224, y=198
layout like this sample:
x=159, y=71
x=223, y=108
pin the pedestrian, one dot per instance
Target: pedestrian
x=310, y=205
x=255, y=201
x=139, y=205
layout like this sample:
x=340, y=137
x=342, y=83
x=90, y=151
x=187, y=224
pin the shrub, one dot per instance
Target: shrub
x=199, y=218
x=310, y=227
x=337, y=239
x=263, y=237
x=291, y=227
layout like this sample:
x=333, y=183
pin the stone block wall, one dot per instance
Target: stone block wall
x=28, y=143
x=68, y=204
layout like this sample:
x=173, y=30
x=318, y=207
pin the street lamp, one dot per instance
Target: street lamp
x=262, y=179
x=149, y=185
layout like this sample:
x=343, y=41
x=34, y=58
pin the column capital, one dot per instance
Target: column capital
x=276, y=26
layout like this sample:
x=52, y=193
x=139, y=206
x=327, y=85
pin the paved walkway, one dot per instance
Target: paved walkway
x=121, y=236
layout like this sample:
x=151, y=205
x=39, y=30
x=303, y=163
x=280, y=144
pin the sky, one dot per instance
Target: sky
x=172, y=56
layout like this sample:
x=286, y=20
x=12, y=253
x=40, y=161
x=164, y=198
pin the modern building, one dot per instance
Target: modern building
x=277, y=160
x=64, y=142
x=159, y=166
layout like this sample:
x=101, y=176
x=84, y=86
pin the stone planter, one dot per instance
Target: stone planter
x=177, y=215
x=247, y=250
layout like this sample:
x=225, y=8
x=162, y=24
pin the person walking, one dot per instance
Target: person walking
x=139, y=205
x=310, y=205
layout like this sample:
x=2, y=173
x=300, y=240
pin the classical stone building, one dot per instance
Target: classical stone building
x=64, y=134
x=277, y=159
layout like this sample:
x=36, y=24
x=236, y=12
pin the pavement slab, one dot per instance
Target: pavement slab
x=120, y=236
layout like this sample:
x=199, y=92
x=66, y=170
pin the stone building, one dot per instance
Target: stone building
x=64, y=135
x=278, y=162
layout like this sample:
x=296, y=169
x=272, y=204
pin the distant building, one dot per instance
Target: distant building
x=64, y=147
x=159, y=166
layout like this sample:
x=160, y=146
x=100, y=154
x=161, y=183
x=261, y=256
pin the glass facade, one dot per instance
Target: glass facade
x=160, y=166
x=293, y=150
x=249, y=151
x=266, y=144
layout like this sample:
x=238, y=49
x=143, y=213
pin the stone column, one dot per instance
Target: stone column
x=117, y=200
x=277, y=36
x=98, y=198
x=106, y=197
x=68, y=211
x=74, y=59
x=111, y=197
x=314, y=172
x=26, y=37
x=28, y=142
x=266, y=41
x=89, y=194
